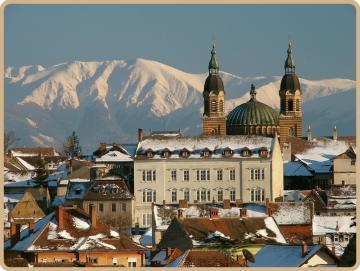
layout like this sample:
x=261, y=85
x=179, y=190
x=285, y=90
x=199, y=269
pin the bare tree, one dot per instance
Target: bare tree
x=9, y=139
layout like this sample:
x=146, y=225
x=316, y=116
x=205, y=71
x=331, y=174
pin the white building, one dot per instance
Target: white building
x=205, y=169
x=344, y=167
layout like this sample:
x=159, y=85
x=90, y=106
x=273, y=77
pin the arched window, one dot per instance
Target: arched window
x=297, y=105
x=213, y=106
x=221, y=106
x=290, y=105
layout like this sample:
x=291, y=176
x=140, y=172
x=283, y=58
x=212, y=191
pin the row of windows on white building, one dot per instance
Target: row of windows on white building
x=204, y=195
x=204, y=174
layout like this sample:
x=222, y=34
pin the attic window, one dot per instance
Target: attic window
x=150, y=153
x=166, y=153
x=263, y=152
x=77, y=191
x=184, y=153
x=228, y=152
x=206, y=153
x=245, y=152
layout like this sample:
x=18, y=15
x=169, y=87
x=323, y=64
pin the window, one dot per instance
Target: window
x=346, y=238
x=149, y=196
x=257, y=194
x=213, y=106
x=290, y=105
x=197, y=195
x=186, y=195
x=101, y=207
x=232, y=195
x=149, y=175
x=208, y=195
x=147, y=218
x=186, y=175
x=203, y=174
x=174, y=196
x=232, y=174
x=297, y=105
x=173, y=175
x=257, y=174
x=203, y=195
x=184, y=153
x=113, y=207
x=114, y=261
x=221, y=106
x=353, y=162
x=219, y=175
x=123, y=207
x=336, y=238
x=220, y=195
x=131, y=262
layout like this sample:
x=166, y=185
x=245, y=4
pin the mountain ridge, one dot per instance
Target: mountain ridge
x=108, y=100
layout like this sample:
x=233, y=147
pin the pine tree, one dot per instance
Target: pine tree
x=40, y=172
x=71, y=147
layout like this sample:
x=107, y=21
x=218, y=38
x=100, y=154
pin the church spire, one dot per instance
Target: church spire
x=253, y=92
x=289, y=62
x=213, y=64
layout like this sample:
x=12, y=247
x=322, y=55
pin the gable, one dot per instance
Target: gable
x=27, y=208
x=175, y=237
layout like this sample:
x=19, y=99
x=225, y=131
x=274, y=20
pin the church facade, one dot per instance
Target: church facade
x=253, y=117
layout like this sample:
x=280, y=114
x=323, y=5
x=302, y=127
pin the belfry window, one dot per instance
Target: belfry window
x=290, y=105
x=221, y=106
x=213, y=106
x=297, y=105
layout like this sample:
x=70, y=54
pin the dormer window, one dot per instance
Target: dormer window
x=166, y=153
x=184, y=153
x=228, y=152
x=206, y=153
x=263, y=152
x=246, y=152
x=150, y=153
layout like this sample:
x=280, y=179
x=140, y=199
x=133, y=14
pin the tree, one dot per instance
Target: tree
x=40, y=172
x=71, y=146
x=9, y=139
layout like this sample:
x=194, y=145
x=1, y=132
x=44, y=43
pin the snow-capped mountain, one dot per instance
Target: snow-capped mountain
x=109, y=100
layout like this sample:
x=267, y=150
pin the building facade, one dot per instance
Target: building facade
x=344, y=167
x=205, y=169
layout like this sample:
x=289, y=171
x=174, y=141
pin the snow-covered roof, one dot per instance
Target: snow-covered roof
x=319, y=157
x=295, y=195
x=77, y=190
x=296, y=169
x=282, y=256
x=332, y=224
x=292, y=213
x=25, y=164
x=114, y=156
x=18, y=184
x=195, y=145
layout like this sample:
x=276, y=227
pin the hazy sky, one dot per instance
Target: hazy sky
x=251, y=39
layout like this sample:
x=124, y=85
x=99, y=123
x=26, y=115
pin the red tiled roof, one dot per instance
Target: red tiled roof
x=208, y=258
x=295, y=234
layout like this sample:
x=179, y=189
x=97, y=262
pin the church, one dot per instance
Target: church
x=253, y=117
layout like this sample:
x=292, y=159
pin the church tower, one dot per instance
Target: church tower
x=290, y=119
x=214, y=118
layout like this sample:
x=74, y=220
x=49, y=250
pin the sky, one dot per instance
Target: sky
x=251, y=40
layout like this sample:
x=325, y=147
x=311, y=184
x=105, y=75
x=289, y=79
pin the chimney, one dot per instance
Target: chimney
x=180, y=214
x=115, y=145
x=309, y=134
x=60, y=217
x=337, y=226
x=140, y=135
x=238, y=202
x=243, y=212
x=334, y=133
x=226, y=204
x=183, y=203
x=92, y=211
x=164, y=203
x=14, y=233
x=304, y=249
x=267, y=201
x=214, y=213
x=31, y=227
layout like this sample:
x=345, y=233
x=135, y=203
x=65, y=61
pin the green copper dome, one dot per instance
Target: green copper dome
x=252, y=113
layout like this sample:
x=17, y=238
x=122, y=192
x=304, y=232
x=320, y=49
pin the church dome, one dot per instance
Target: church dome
x=252, y=112
x=213, y=82
x=290, y=82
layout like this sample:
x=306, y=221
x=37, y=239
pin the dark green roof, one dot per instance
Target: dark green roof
x=213, y=83
x=290, y=82
x=213, y=64
x=289, y=62
x=252, y=113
